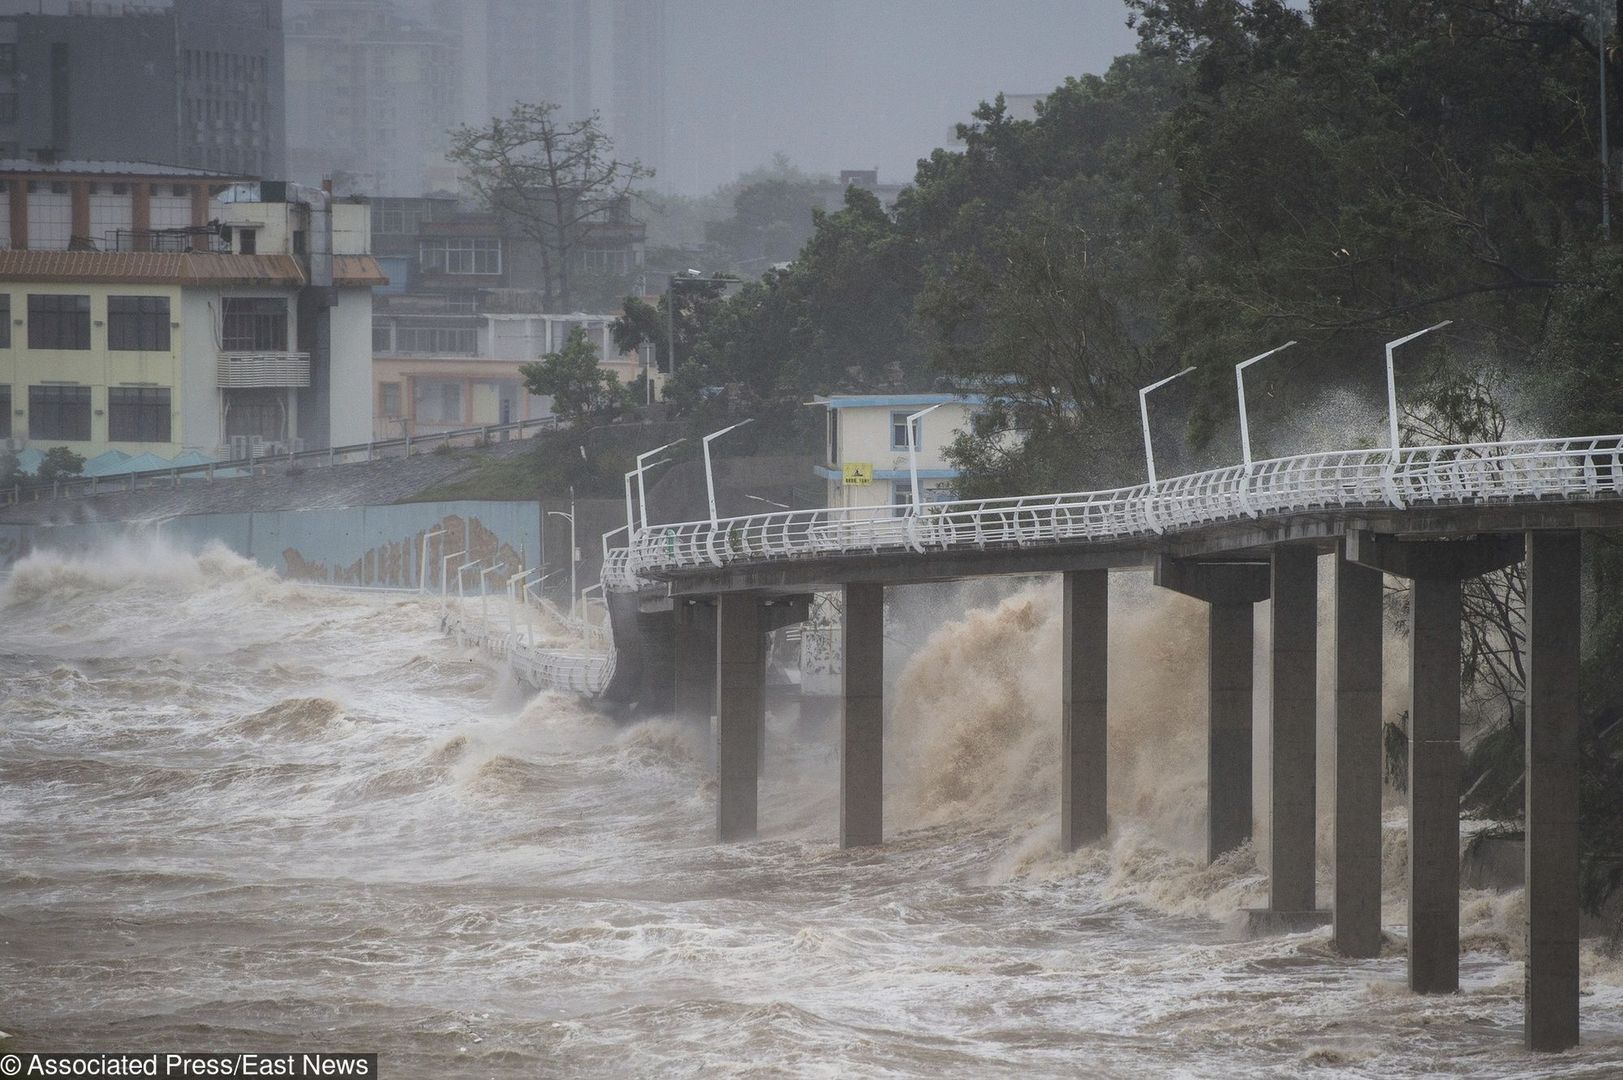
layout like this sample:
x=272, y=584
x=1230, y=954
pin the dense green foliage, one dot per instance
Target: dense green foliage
x=580, y=389
x=1254, y=173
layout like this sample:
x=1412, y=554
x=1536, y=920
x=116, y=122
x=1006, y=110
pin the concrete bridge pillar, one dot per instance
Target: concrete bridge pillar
x=1434, y=785
x=1436, y=569
x=1231, y=590
x=740, y=711
x=1554, y=728
x=1084, y=674
x=862, y=722
x=1292, y=787
x=695, y=660
x=1357, y=632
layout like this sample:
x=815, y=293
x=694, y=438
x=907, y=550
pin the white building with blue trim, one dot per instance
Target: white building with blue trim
x=866, y=461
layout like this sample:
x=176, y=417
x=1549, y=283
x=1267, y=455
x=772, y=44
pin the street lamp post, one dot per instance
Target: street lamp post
x=642, y=492
x=1144, y=418
x=445, y=578
x=1392, y=384
x=709, y=477
x=1239, y=381
x=670, y=307
x=574, y=551
x=913, y=448
x=513, y=601
x=484, y=595
x=422, y=569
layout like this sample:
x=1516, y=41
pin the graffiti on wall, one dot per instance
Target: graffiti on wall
x=401, y=563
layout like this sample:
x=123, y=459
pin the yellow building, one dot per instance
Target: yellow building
x=866, y=453
x=190, y=341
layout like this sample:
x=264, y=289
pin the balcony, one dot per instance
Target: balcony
x=242, y=370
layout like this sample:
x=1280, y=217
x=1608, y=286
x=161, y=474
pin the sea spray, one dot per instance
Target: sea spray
x=977, y=720
x=566, y=910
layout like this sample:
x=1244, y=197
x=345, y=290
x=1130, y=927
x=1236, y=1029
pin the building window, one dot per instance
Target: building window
x=391, y=221
x=461, y=255
x=138, y=324
x=901, y=496
x=898, y=431
x=8, y=58
x=612, y=260
x=58, y=321
x=59, y=412
x=8, y=108
x=382, y=338
x=5, y=412
x=253, y=324
x=5, y=320
x=138, y=414
x=247, y=241
x=389, y=399
x=834, y=436
x=436, y=401
x=437, y=340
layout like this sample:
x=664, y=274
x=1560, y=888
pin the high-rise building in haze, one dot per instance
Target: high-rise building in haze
x=603, y=56
x=521, y=50
x=197, y=83
x=371, y=93
x=637, y=85
x=374, y=85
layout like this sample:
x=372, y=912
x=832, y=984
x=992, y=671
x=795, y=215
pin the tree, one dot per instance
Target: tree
x=59, y=462
x=770, y=223
x=554, y=182
x=641, y=323
x=579, y=387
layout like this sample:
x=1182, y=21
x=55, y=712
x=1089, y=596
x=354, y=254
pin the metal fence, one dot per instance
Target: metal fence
x=405, y=446
x=583, y=666
x=1473, y=474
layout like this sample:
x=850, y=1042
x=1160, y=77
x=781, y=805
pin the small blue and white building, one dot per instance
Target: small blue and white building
x=865, y=459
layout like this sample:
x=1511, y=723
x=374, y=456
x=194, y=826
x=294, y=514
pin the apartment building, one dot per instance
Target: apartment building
x=246, y=325
x=197, y=83
x=439, y=371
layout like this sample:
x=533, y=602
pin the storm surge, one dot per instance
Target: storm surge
x=239, y=813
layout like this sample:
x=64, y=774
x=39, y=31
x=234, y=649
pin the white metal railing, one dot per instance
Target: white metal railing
x=584, y=665
x=1472, y=474
x=617, y=575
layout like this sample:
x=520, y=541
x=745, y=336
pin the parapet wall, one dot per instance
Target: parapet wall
x=359, y=545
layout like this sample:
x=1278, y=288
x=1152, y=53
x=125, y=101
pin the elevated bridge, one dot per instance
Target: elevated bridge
x=1231, y=537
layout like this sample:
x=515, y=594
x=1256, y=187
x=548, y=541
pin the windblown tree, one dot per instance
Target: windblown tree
x=579, y=386
x=684, y=310
x=552, y=181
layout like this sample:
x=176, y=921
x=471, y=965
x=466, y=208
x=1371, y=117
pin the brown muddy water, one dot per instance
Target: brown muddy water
x=237, y=813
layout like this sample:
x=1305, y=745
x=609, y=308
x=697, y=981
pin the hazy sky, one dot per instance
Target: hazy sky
x=860, y=83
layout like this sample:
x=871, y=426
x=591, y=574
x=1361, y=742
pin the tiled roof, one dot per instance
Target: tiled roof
x=357, y=270
x=112, y=168
x=178, y=268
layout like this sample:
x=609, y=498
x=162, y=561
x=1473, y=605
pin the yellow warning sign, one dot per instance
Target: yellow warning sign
x=857, y=473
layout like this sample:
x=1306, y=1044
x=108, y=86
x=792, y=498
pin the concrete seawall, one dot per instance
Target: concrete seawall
x=359, y=545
